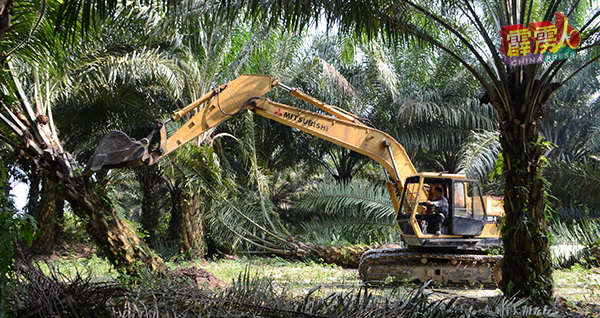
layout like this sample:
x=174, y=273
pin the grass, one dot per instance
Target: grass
x=577, y=284
x=70, y=265
x=298, y=277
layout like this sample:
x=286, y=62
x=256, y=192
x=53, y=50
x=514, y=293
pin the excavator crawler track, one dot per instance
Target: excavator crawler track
x=389, y=267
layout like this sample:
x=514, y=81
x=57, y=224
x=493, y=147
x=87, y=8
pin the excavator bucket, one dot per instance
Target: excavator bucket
x=117, y=150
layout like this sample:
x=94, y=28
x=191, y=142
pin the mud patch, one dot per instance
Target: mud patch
x=202, y=277
x=65, y=250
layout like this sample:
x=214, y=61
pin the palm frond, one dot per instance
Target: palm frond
x=358, y=198
x=572, y=241
x=127, y=93
x=575, y=181
x=358, y=213
x=80, y=14
x=387, y=75
x=239, y=224
x=593, y=142
x=572, y=116
x=478, y=155
x=33, y=113
x=570, y=211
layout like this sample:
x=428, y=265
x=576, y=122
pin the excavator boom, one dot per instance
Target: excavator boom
x=340, y=127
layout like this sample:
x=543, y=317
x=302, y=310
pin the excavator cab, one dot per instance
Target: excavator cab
x=466, y=217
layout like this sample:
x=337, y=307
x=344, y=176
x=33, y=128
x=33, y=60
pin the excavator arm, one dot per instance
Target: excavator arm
x=245, y=92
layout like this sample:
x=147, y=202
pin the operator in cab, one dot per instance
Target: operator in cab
x=441, y=208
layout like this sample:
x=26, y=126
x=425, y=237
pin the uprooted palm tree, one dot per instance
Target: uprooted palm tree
x=29, y=128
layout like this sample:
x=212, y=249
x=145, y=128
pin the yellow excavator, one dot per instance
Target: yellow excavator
x=457, y=255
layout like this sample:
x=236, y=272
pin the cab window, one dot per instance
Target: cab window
x=467, y=200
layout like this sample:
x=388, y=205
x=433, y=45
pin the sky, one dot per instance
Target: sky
x=19, y=190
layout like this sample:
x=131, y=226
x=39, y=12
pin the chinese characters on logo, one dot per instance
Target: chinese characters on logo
x=539, y=42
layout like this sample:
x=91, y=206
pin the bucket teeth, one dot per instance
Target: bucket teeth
x=117, y=150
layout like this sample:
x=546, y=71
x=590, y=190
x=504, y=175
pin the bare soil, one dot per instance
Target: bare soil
x=78, y=250
x=202, y=277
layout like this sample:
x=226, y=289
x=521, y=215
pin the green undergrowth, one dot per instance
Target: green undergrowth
x=578, y=284
x=575, y=284
x=71, y=266
x=265, y=288
x=299, y=277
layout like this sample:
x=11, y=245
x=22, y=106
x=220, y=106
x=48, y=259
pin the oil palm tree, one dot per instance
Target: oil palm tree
x=28, y=38
x=245, y=219
x=218, y=51
x=197, y=173
x=425, y=102
x=114, y=236
x=570, y=127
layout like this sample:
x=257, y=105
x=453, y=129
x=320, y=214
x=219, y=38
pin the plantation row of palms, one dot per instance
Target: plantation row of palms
x=252, y=185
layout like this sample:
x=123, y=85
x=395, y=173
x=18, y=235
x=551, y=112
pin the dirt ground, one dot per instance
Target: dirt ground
x=201, y=276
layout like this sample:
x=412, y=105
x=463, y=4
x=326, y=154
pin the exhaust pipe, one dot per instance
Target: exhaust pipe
x=117, y=150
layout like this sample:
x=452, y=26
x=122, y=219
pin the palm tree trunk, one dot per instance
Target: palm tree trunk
x=59, y=217
x=89, y=200
x=37, y=145
x=526, y=269
x=192, y=231
x=33, y=196
x=149, y=179
x=44, y=236
x=347, y=256
x=6, y=9
x=115, y=237
x=176, y=213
